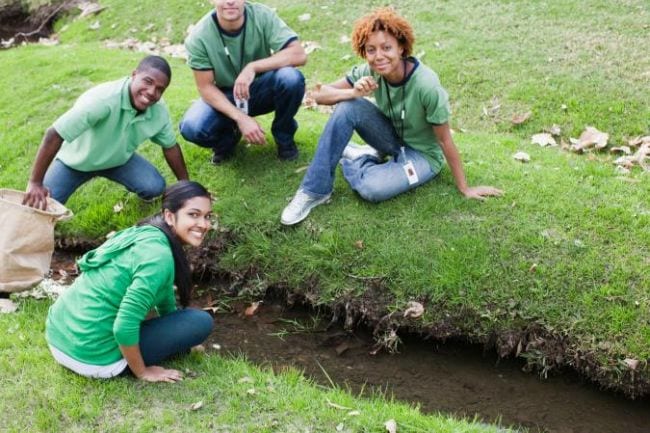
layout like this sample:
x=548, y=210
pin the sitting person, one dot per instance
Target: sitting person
x=99, y=135
x=409, y=123
x=244, y=60
x=100, y=328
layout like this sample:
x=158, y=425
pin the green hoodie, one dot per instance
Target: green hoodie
x=121, y=282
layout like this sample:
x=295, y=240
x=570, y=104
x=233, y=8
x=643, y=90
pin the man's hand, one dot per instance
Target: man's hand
x=481, y=192
x=241, y=88
x=36, y=196
x=365, y=86
x=251, y=130
x=154, y=373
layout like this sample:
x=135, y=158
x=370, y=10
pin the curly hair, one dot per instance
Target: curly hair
x=382, y=19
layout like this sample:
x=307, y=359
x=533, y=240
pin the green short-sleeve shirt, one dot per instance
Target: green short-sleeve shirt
x=121, y=281
x=103, y=130
x=425, y=103
x=263, y=33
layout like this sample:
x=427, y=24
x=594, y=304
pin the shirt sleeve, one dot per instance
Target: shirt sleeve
x=278, y=33
x=197, y=54
x=166, y=137
x=436, y=105
x=84, y=114
x=153, y=267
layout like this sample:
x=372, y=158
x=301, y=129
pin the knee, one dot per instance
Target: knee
x=153, y=187
x=190, y=129
x=290, y=79
x=348, y=108
x=202, y=323
x=372, y=192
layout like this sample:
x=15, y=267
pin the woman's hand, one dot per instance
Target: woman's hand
x=154, y=373
x=481, y=192
x=365, y=86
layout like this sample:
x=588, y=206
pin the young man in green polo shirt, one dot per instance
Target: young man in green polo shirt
x=244, y=59
x=98, y=136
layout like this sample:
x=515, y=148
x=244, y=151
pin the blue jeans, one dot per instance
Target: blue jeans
x=172, y=334
x=280, y=91
x=372, y=179
x=138, y=175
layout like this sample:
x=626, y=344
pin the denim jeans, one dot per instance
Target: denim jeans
x=172, y=334
x=372, y=179
x=138, y=175
x=281, y=91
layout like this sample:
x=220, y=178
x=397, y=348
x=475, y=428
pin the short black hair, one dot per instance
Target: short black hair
x=155, y=62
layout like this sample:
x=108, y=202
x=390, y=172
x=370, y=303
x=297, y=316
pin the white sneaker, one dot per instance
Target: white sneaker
x=300, y=206
x=354, y=151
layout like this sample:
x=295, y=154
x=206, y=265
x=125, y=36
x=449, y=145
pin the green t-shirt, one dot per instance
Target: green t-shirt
x=263, y=34
x=425, y=103
x=102, y=130
x=121, y=281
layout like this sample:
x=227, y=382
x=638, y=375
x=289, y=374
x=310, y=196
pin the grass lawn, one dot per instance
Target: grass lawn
x=556, y=271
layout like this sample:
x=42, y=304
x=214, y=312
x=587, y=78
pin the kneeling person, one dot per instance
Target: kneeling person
x=99, y=135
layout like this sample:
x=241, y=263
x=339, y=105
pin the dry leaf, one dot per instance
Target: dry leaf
x=250, y=311
x=621, y=149
x=354, y=413
x=48, y=42
x=246, y=379
x=304, y=17
x=391, y=426
x=344, y=39
x=358, y=244
x=310, y=46
x=518, y=119
x=251, y=391
x=414, y=310
x=196, y=406
x=590, y=137
x=216, y=346
x=633, y=364
x=117, y=208
x=7, y=306
x=521, y=157
x=555, y=130
x=301, y=169
x=543, y=139
x=340, y=427
x=533, y=267
x=94, y=26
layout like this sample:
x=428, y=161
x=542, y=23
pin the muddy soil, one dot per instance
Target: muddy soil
x=452, y=378
x=24, y=26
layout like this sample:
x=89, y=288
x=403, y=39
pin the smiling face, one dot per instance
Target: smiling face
x=230, y=13
x=147, y=87
x=191, y=222
x=384, y=55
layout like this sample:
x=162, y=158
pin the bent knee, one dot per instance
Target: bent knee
x=290, y=78
x=373, y=193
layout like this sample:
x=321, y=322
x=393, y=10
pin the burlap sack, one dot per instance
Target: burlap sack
x=26, y=240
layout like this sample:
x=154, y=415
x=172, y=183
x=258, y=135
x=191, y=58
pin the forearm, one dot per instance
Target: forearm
x=175, y=160
x=133, y=358
x=328, y=95
x=292, y=55
x=48, y=149
x=456, y=166
x=218, y=100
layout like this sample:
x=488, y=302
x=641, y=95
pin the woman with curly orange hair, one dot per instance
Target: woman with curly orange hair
x=407, y=128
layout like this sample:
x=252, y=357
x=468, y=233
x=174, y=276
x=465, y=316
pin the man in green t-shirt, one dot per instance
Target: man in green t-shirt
x=99, y=135
x=244, y=59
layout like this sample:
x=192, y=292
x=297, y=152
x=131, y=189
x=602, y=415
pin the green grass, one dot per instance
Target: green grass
x=575, y=221
x=39, y=396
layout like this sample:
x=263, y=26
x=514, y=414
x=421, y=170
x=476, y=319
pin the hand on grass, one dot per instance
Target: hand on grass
x=481, y=192
x=36, y=196
x=155, y=373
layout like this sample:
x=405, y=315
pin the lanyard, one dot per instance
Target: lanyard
x=241, y=52
x=391, y=112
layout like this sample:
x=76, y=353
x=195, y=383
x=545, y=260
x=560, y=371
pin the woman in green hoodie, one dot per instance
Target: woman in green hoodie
x=100, y=327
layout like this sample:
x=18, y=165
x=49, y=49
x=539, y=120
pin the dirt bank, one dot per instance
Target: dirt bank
x=17, y=24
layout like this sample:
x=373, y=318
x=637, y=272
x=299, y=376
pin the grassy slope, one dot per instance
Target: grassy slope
x=572, y=216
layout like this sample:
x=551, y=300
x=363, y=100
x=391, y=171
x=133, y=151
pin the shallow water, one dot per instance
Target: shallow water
x=452, y=377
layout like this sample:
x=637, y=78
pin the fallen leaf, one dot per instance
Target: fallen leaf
x=543, y=139
x=246, y=379
x=633, y=364
x=7, y=306
x=310, y=46
x=358, y=244
x=518, y=119
x=301, y=169
x=196, y=406
x=94, y=26
x=48, y=42
x=216, y=346
x=414, y=310
x=533, y=268
x=340, y=427
x=117, y=208
x=621, y=149
x=391, y=426
x=555, y=130
x=250, y=311
x=304, y=17
x=354, y=413
x=344, y=39
x=346, y=57
x=251, y=391
x=590, y=137
x=521, y=157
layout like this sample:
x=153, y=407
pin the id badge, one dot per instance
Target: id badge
x=242, y=105
x=411, y=175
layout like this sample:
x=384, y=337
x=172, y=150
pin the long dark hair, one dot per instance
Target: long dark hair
x=173, y=199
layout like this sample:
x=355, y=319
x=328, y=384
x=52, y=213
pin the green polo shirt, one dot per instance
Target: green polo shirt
x=263, y=33
x=120, y=282
x=102, y=130
x=425, y=103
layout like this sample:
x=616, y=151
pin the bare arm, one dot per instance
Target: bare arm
x=36, y=195
x=330, y=94
x=291, y=55
x=152, y=373
x=211, y=94
x=174, y=158
x=443, y=134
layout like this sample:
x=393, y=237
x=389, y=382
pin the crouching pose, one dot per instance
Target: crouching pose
x=408, y=125
x=102, y=325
